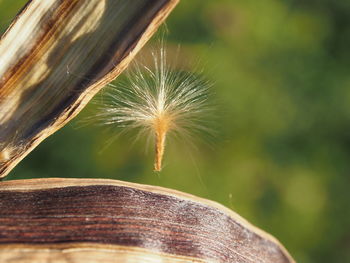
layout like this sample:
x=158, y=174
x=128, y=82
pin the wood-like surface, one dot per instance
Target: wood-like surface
x=54, y=58
x=75, y=212
x=87, y=253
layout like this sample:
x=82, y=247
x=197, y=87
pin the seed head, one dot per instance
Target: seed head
x=157, y=101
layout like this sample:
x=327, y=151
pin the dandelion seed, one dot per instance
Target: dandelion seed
x=157, y=102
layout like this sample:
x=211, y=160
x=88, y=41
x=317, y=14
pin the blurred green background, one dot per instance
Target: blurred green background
x=281, y=152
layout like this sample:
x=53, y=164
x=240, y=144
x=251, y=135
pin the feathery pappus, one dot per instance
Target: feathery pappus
x=157, y=101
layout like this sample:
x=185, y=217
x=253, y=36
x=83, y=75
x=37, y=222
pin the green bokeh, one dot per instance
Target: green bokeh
x=280, y=156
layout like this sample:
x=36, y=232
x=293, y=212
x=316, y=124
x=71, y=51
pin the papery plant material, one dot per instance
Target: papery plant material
x=88, y=221
x=157, y=101
x=93, y=39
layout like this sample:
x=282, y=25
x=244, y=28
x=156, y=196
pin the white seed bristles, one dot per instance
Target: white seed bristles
x=156, y=102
